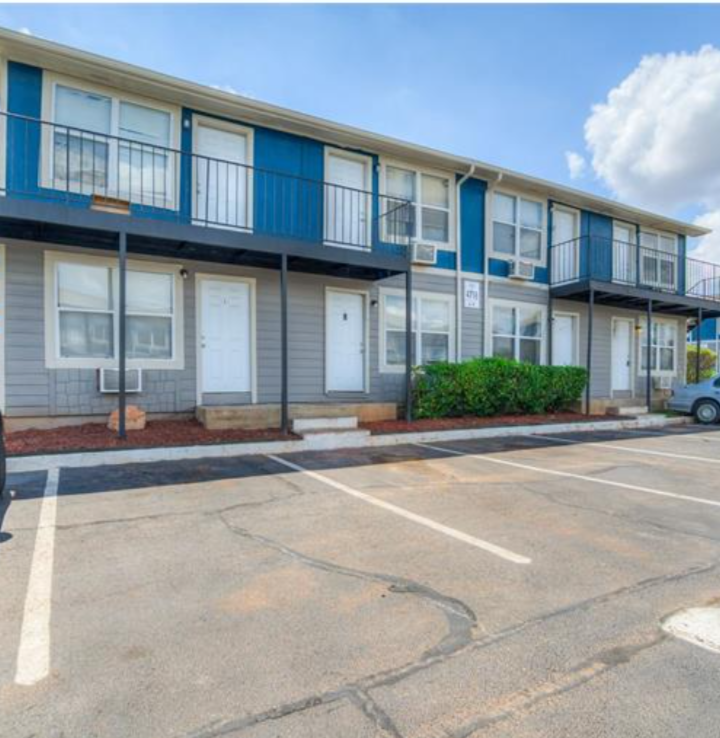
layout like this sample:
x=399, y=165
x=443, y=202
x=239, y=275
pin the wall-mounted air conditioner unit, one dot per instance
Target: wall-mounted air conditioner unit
x=109, y=380
x=662, y=383
x=520, y=269
x=424, y=253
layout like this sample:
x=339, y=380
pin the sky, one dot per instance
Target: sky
x=622, y=101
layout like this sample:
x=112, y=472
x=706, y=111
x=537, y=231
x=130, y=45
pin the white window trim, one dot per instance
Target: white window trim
x=386, y=368
x=53, y=360
x=49, y=87
x=448, y=245
x=656, y=232
x=249, y=133
x=640, y=349
x=543, y=202
x=631, y=226
x=500, y=302
x=201, y=277
x=576, y=333
x=366, y=339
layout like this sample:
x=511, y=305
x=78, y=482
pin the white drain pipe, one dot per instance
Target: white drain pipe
x=486, y=260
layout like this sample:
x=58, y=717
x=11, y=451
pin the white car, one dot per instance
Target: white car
x=701, y=400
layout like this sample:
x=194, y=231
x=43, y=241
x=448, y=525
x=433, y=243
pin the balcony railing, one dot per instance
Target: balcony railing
x=79, y=167
x=608, y=260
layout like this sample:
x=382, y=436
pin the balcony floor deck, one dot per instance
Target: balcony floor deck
x=61, y=224
x=636, y=298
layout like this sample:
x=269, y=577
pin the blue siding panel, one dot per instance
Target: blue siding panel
x=682, y=253
x=446, y=259
x=600, y=227
x=472, y=224
x=23, y=139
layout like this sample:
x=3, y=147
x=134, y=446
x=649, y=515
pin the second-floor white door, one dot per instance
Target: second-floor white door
x=566, y=245
x=348, y=202
x=624, y=253
x=223, y=180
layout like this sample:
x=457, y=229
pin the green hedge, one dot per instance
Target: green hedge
x=486, y=387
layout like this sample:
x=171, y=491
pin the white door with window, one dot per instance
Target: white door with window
x=564, y=343
x=622, y=343
x=345, y=342
x=348, y=201
x=624, y=253
x=566, y=245
x=225, y=336
x=223, y=180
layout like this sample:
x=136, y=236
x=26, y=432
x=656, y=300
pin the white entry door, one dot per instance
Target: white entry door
x=622, y=342
x=223, y=181
x=566, y=245
x=348, y=202
x=564, y=343
x=624, y=253
x=345, y=342
x=225, y=336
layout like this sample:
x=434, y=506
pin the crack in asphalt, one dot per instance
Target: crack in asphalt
x=517, y=703
x=459, y=639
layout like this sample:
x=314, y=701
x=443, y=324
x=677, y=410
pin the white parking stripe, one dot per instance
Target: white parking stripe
x=503, y=553
x=33, y=661
x=627, y=449
x=570, y=475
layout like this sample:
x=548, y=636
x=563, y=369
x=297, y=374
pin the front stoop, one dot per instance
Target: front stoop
x=327, y=432
x=254, y=417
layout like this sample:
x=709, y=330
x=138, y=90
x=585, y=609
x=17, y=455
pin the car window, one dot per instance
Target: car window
x=716, y=383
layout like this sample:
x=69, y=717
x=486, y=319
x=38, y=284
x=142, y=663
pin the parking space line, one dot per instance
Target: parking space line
x=458, y=535
x=570, y=475
x=33, y=660
x=627, y=449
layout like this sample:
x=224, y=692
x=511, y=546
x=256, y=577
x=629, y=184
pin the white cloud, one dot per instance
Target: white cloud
x=708, y=247
x=654, y=140
x=576, y=164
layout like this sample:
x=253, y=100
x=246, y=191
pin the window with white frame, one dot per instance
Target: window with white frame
x=86, y=314
x=658, y=259
x=109, y=146
x=517, y=332
x=518, y=227
x=430, y=217
x=662, y=350
x=431, y=326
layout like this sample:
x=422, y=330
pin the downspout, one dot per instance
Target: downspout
x=458, y=265
x=486, y=260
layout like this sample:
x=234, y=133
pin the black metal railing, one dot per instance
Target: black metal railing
x=620, y=262
x=80, y=167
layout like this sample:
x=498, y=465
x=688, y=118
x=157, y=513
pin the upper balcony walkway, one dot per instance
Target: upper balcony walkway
x=628, y=275
x=70, y=185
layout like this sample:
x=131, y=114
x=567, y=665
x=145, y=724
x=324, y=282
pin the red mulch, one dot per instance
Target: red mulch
x=379, y=427
x=96, y=437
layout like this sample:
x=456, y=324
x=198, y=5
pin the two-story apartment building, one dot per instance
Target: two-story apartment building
x=202, y=252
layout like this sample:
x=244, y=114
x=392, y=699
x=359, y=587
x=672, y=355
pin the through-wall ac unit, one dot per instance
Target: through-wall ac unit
x=663, y=382
x=520, y=269
x=423, y=253
x=109, y=380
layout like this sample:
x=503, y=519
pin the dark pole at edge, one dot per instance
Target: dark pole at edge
x=698, y=345
x=648, y=357
x=408, y=344
x=122, y=300
x=591, y=311
x=284, y=409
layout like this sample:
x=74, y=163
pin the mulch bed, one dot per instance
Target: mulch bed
x=380, y=427
x=97, y=437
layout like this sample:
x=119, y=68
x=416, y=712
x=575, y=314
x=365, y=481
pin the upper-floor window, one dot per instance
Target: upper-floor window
x=518, y=226
x=658, y=260
x=429, y=219
x=105, y=145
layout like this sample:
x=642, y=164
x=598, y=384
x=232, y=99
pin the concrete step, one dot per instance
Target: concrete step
x=323, y=438
x=627, y=410
x=302, y=425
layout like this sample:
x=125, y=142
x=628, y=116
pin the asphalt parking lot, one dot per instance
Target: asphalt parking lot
x=510, y=587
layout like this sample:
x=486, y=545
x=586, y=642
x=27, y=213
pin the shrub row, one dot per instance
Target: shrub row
x=484, y=387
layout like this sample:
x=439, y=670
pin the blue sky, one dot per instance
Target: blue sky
x=512, y=85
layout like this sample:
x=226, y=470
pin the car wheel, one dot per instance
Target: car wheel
x=707, y=412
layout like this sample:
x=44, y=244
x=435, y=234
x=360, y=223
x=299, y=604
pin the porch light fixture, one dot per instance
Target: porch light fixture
x=184, y=273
